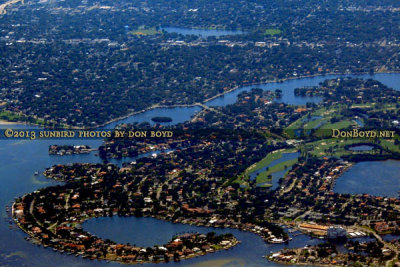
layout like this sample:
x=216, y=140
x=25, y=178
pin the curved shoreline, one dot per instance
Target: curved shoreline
x=3, y=6
x=204, y=102
x=233, y=241
x=63, y=244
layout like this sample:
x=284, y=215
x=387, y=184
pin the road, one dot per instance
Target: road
x=386, y=244
x=6, y=4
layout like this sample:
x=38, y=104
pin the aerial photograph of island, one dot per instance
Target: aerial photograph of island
x=199, y=133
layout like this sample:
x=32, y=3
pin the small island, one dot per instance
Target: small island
x=205, y=181
x=161, y=119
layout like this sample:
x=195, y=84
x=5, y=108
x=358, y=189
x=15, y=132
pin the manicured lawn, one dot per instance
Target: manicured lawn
x=321, y=112
x=272, y=32
x=297, y=124
x=338, y=125
x=389, y=144
x=300, y=124
x=312, y=124
x=15, y=117
x=8, y=116
x=336, y=147
x=325, y=130
x=150, y=31
x=263, y=177
x=263, y=163
x=329, y=146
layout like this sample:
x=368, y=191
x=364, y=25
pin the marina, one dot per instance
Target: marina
x=22, y=158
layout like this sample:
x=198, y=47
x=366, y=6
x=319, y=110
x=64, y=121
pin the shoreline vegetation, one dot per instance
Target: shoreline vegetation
x=263, y=176
x=208, y=126
x=228, y=241
x=9, y=117
x=187, y=186
x=180, y=247
x=204, y=102
x=225, y=241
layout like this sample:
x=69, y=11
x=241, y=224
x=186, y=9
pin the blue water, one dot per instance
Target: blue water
x=359, y=122
x=178, y=115
x=378, y=178
x=182, y=114
x=275, y=179
x=306, y=120
x=19, y=159
x=287, y=87
x=390, y=237
x=285, y=157
x=201, y=32
x=361, y=148
x=149, y=231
